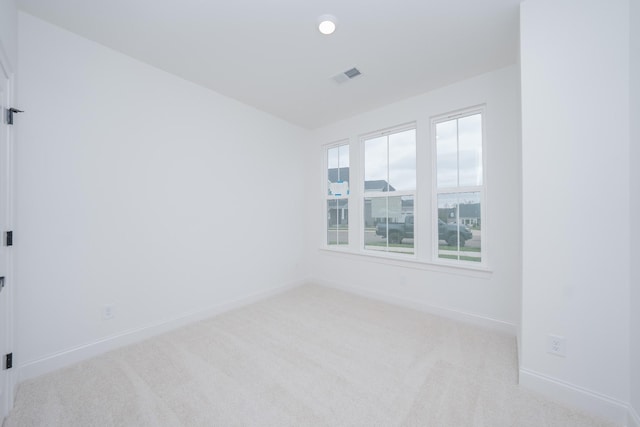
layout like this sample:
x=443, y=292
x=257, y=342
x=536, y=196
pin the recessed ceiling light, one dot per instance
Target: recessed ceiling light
x=327, y=24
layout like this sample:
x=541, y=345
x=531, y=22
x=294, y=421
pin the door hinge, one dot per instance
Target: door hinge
x=8, y=361
x=10, y=113
x=9, y=238
x=1, y=283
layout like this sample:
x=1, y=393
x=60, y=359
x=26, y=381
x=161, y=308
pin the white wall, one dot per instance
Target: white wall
x=635, y=207
x=491, y=299
x=576, y=262
x=138, y=189
x=9, y=31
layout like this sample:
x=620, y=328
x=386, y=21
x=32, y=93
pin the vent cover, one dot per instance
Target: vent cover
x=352, y=73
x=346, y=75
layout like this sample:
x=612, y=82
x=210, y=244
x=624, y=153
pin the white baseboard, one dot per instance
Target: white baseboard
x=450, y=313
x=77, y=354
x=633, y=419
x=572, y=395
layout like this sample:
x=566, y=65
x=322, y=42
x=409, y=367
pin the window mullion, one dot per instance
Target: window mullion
x=387, y=198
x=457, y=153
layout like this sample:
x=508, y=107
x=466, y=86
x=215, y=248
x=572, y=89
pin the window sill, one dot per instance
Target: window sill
x=406, y=262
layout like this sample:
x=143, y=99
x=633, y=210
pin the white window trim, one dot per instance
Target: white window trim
x=458, y=114
x=375, y=258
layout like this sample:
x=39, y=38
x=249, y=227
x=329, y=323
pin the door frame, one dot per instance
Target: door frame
x=8, y=322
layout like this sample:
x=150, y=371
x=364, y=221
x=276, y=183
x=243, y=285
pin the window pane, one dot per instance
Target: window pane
x=337, y=221
x=375, y=221
x=470, y=150
x=459, y=226
x=338, y=170
x=402, y=161
x=447, y=154
x=343, y=151
x=375, y=165
x=389, y=224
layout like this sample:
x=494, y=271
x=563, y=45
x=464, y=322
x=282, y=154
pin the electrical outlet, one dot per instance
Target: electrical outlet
x=107, y=312
x=557, y=345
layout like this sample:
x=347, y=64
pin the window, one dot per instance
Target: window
x=389, y=190
x=459, y=186
x=410, y=187
x=337, y=196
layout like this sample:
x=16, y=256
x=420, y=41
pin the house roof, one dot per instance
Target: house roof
x=342, y=174
x=469, y=210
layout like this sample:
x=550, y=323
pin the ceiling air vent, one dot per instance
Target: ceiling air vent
x=346, y=75
x=354, y=72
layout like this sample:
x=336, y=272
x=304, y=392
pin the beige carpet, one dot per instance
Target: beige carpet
x=312, y=356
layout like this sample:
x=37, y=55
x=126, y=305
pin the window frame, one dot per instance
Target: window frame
x=327, y=197
x=362, y=194
x=436, y=191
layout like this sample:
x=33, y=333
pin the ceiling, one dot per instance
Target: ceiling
x=270, y=54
